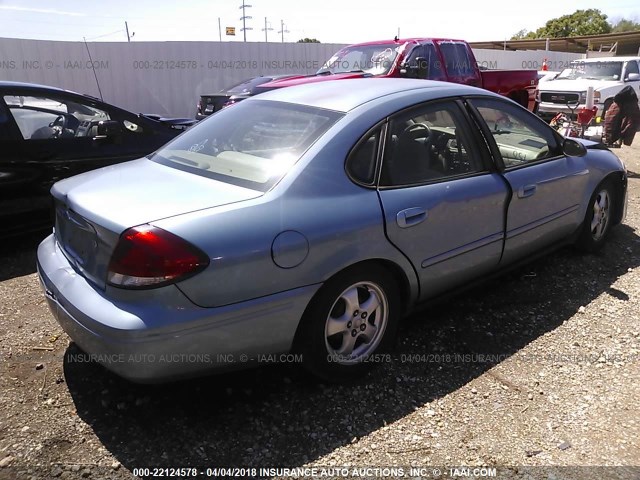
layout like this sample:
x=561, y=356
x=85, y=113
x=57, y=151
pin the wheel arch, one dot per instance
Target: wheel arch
x=408, y=292
x=619, y=181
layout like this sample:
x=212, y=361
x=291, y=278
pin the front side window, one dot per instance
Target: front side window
x=428, y=144
x=41, y=118
x=519, y=139
x=632, y=67
x=424, y=62
x=253, y=144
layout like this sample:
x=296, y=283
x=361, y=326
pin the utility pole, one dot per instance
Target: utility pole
x=283, y=29
x=219, y=29
x=266, y=29
x=126, y=26
x=244, y=19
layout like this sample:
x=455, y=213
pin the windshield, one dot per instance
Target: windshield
x=247, y=85
x=252, y=145
x=373, y=59
x=592, y=71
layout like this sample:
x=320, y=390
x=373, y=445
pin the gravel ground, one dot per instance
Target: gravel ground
x=534, y=370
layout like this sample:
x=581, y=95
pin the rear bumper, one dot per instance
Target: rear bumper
x=167, y=337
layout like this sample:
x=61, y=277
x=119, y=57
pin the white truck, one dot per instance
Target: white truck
x=568, y=90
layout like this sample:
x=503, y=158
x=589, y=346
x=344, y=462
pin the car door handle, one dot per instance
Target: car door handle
x=527, y=191
x=411, y=216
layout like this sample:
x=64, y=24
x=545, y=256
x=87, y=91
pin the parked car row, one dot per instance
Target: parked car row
x=307, y=219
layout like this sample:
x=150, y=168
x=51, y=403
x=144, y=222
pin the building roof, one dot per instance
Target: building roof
x=627, y=43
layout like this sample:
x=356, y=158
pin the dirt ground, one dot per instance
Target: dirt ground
x=535, y=370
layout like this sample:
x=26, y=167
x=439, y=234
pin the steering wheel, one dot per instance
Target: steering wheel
x=58, y=126
x=417, y=130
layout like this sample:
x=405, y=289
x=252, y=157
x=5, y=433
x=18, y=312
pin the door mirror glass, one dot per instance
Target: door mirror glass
x=573, y=148
x=109, y=128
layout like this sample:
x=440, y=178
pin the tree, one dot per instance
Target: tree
x=625, y=25
x=581, y=22
x=308, y=40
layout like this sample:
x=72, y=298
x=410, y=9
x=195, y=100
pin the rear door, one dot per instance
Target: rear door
x=547, y=186
x=442, y=204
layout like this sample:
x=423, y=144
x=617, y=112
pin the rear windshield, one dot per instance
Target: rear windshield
x=252, y=144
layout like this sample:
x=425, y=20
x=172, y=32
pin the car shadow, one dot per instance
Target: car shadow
x=277, y=416
x=18, y=254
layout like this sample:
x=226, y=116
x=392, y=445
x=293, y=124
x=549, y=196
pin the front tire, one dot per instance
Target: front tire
x=352, y=317
x=599, y=218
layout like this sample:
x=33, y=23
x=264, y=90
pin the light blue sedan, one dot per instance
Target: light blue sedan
x=311, y=220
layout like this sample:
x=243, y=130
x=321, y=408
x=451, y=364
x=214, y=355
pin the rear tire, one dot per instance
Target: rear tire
x=352, y=317
x=598, y=219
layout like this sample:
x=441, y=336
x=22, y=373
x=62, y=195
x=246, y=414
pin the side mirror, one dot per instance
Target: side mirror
x=633, y=77
x=573, y=148
x=417, y=69
x=423, y=67
x=108, y=129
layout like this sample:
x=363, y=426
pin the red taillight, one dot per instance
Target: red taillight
x=228, y=103
x=147, y=256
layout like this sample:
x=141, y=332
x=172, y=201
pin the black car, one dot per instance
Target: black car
x=210, y=103
x=47, y=134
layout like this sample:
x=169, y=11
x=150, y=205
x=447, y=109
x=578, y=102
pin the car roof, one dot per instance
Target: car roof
x=36, y=86
x=345, y=95
x=605, y=59
x=7, y=83
x=402, y=41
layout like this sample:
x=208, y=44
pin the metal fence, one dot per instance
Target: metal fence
x=167, y=78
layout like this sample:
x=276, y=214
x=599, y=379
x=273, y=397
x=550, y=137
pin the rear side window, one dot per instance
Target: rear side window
x=426, y=144
x=457, y=59
x=253, y=144
x=361, y=164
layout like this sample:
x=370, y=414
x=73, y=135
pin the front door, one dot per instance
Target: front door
x=443, y=207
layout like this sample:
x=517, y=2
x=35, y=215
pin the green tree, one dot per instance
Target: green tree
x=581, y=22
x=625, y=25
x=308, y=40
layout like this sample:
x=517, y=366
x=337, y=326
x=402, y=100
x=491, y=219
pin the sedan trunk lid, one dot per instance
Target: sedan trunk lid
x=93, y=209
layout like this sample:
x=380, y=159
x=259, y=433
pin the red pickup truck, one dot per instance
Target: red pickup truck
x=429, y=58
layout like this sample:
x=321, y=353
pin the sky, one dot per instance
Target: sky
x=330, y=21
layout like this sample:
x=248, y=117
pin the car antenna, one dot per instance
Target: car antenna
x=93, y=68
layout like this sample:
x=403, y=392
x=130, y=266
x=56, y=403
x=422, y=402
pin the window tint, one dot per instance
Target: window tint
x=361, y=163
x=520, y=139
x=40, y=118
x=428, y=144
x=457, y=59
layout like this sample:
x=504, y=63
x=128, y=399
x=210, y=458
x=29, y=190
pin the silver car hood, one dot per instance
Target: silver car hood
x=142, y=191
